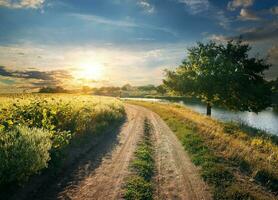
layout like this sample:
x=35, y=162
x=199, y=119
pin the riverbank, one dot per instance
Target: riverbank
x=266, y=120
x=235, y=163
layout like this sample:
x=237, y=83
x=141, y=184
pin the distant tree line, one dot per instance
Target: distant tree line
x=57, y=89
x=130, y=91
x=126, y=90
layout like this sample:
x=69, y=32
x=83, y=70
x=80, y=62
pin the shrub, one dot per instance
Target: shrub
x=23, y=152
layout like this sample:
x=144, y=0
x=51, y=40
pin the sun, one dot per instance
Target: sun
x=89, y=71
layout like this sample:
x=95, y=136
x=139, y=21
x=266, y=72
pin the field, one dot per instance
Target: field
x=236, y=164
x=36, y=130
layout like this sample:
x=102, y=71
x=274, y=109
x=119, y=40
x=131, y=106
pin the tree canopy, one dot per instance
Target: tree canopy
x=222, y=74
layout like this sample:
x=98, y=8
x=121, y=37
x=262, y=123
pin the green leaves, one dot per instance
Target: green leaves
x=222, y=74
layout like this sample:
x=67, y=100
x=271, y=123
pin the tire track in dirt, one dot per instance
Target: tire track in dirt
x=106, y=181
x=177, y=177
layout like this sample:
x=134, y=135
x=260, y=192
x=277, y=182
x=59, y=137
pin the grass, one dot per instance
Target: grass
x=139, y=185
x=235, y=163
x=254, y=132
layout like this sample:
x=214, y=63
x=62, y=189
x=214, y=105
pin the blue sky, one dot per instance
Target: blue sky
x=121, y=41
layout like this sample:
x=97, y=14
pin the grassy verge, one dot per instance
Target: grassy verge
x=139, y=185
x=235, y=163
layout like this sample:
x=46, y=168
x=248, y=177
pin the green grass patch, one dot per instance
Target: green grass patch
x=139, y=186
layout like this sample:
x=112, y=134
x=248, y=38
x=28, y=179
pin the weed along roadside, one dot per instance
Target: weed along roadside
x=235, y=164
x=140, y=184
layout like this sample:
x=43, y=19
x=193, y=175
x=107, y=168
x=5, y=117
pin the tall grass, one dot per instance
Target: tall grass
x=47, y=124
x=224, y=152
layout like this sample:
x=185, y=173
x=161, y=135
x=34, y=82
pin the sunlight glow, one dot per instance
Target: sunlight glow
x=89, y=71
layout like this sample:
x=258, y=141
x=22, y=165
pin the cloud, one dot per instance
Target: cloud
x=102, y=20
x=268, y=32
x=232, y=5
x=196, y=6
x=223, y=20
x=34, y=4
x=121, y=23
x=149, y=8
x=274, y=10
x=35, y=77
x=4, y=72
x=218, y=38
x=246, y=15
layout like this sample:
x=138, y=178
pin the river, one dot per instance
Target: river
x=266, y=120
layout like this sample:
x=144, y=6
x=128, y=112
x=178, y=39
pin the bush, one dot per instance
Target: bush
x=23, y=152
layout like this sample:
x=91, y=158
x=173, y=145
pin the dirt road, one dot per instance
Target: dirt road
x=177, y=177
x=100, y=174
x=106, y=181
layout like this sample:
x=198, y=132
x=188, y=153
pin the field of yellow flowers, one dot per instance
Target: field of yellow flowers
x=34, y=128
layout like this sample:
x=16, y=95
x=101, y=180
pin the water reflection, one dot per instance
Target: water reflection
x=266, y=120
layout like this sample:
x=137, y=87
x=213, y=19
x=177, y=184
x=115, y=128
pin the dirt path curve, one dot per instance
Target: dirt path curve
x=106, y=181
x=101, y=172
x=177, y=177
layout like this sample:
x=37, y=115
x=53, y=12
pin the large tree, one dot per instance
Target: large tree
x=222, y=74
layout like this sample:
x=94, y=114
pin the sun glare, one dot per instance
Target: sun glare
x=89, y=71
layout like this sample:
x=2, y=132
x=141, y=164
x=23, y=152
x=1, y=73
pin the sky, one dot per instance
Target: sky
x=73, y=43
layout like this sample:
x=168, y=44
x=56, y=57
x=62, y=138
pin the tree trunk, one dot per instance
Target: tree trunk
x=208, y=109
